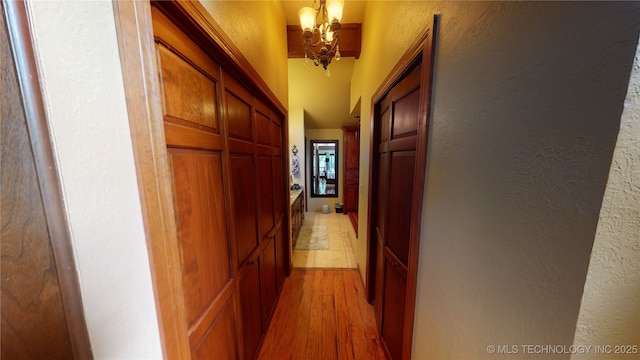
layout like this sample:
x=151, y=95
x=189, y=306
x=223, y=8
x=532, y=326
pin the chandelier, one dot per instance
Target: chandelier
x=321, y=31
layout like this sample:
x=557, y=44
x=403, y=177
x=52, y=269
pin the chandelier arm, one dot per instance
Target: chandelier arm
x=321, y=51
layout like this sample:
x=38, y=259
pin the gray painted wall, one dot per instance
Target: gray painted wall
x=527, y=99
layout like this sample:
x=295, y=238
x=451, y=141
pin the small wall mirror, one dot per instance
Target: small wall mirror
x=324, y=168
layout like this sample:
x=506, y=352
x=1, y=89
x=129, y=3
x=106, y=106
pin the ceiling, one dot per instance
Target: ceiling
x=324, y=99
x=353, y=11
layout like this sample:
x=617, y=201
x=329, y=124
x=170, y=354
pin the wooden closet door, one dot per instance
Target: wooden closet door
x=270, y=184
x=243, y=175
x=279, y=193
x=396, y=155
x=190, y=82
x=351, y=167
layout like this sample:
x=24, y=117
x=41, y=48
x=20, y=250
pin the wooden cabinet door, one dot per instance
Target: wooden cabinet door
x=396, y=155
x=224, y=135
x=250, y=304
x=351, y=168
x=269, y=283
x=190, y=82
x=245, y=215
x=281, y=243
x=282, y=256
x=257, y=198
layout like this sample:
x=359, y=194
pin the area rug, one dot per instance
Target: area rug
x=313, y=238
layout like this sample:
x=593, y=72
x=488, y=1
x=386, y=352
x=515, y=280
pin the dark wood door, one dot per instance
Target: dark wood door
x=255, y=138
x=190, y=82
x=250, y=305
x=398, y=153
x=41, y=308
x=351, y=168
x=266, y=203
x=251, y=204
x=281, y=219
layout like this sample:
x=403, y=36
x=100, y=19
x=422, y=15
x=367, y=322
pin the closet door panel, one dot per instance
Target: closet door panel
x=269, y=281
x=239, y=117
x=351, y=168
x=399, y=206
x=276, y=133
x=238, y=109
x=265, y=196
x=395, y=289
x=201, y=223
x=250, y=306
x=219, y=336
x=382, y=190
x=179, y=76
x=278, y=189
x=243, y=193
x=351, y=198
x=404, y=113
x=263, y=129
x=282, y=256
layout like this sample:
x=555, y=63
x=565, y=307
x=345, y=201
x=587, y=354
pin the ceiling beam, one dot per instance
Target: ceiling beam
x=350, y=35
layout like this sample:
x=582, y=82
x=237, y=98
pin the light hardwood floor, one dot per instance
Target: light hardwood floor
x=322, y=314
x=341, y=237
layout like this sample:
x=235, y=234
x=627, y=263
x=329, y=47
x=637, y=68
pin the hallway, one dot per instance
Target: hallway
x=322, y=314
x=181, y=244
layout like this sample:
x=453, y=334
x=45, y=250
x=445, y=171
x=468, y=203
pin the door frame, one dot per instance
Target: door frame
x=145, y=112
x=423, y=49
x=23, y=52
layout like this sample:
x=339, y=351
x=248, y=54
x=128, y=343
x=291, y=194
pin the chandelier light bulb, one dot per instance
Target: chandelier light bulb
x=307, y=17
x=329, y=35
x=337, y=53
x=334, y=10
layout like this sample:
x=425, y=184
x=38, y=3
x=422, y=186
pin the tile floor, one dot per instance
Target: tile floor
x=341, y=236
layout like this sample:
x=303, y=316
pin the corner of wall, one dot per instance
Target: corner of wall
x=609, y=313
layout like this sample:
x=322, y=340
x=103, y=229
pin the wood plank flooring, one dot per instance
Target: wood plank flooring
x=322, y=314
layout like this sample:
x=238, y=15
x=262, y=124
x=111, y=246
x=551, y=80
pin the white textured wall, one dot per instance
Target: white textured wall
x=610, y=311
x=77, y=52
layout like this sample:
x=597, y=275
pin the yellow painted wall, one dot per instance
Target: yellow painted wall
x=296, y=137
x=408, y=20
x=258, y=29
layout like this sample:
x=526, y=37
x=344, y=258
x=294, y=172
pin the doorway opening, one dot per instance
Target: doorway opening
x=324, y=168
